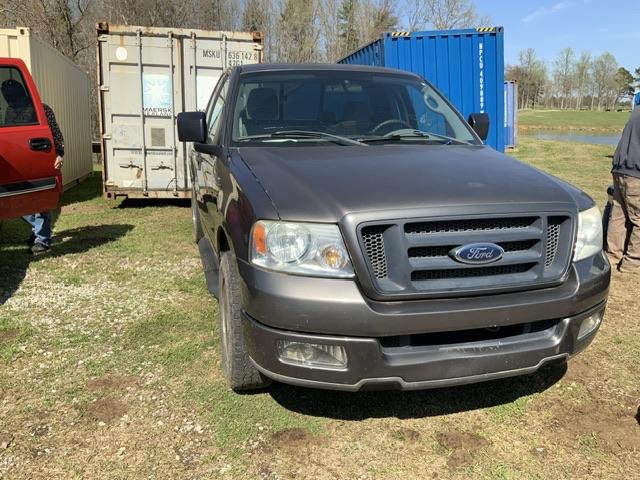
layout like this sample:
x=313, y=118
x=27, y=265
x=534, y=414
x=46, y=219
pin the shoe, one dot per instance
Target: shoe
x=39, y=248
x=624, y=268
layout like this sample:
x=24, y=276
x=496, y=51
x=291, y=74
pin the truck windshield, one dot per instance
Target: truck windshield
x=365, y=107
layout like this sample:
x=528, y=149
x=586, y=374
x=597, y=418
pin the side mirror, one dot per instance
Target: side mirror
x=192, y=127
x=480, y=124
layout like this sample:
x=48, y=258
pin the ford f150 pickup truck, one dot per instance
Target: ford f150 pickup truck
x=363, y=236
x=29, y=183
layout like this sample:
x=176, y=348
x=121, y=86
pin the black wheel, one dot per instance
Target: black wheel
x=195, y=218
x=238, y=369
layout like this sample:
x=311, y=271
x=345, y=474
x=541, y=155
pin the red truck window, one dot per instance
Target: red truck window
x=16, y=106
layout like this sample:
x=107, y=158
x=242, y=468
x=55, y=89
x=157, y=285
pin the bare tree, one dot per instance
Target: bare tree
x=348, y=35
x=444, y=14
x=564, y=75
x=298, y=32
x=604, y=70
x=582, y=66
x=328, y=20
x=534, y=78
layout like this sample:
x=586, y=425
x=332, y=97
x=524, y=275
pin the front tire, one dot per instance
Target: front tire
x=240, y=373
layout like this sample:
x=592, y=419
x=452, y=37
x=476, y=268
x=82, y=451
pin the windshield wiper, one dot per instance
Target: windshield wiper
x=304, y=134
x=412, y=134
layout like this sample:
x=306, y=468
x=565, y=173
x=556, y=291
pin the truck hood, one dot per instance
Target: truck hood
x=325, y=183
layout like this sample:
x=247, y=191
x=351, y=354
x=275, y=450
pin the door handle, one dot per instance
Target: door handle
x=40, y=144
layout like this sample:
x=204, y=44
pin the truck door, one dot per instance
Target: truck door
x=28, y=181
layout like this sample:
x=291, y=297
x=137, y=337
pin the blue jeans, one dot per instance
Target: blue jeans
x=40, y=226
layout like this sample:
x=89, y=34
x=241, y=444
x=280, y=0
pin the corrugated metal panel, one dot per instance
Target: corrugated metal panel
x=636, y=100
x=147, y=76
x=467, y=66
x=510, y=114
x=65, y=88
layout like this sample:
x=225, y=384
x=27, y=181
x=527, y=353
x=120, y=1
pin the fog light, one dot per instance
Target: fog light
x=589, y=324
x=312, y=354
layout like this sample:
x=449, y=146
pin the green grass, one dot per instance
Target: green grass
x=585, y=166
x=572, y=120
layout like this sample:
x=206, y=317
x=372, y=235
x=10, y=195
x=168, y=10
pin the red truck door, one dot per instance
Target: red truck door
x=28, y=181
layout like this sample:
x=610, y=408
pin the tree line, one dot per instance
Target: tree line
x=294, y=30
x=573, y=82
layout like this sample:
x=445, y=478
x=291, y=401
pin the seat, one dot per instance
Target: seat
x=261, y=110
x=20, y=109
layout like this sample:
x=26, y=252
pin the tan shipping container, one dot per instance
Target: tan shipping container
x=65, y=88
x=146, y=76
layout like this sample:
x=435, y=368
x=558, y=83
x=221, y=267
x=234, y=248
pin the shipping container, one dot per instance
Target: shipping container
x=146, y=76
x=636, y=100
x=467, y=66
x=510, y=114
x=65, y=88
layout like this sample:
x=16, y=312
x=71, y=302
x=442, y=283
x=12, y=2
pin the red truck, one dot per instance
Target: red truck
x=29, y=183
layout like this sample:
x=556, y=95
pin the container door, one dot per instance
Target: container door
x=205, y=60
x=28, y=181
x=142, y=85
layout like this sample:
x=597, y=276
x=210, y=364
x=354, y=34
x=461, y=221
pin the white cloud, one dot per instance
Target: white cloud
x=542, y=11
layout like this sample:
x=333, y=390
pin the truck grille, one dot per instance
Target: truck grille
x=412, y=256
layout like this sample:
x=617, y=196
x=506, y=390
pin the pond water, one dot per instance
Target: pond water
x=582, y=137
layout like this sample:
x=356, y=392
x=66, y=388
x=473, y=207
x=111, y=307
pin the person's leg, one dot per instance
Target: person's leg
x=617, y=230
x=31, y=220
x=631, y=260
x=42, y=228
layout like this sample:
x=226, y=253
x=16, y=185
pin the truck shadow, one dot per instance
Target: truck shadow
x=15, y=257
x=414, y=404
x=132, y=203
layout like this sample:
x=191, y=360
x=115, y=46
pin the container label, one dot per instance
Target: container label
x=481, y=69
x=156, y=95
x=233, y=57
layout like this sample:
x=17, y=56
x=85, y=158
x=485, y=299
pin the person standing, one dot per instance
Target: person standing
x=41, y=223
x=623, y=236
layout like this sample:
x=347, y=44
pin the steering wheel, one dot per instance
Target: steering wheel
x=391, y=121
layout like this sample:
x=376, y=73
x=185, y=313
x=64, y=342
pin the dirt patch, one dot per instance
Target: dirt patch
x=8, y=335
x=111, y=382
x=614, y=430
x=5, y=440
x=106, y=410
x=40, y=430
x=462, y=444
x=579, y=368
x=291, y=438
x=408, y=435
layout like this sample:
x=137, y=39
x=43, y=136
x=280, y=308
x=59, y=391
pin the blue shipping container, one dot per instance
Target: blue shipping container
x=467, y=66
x=510, y=114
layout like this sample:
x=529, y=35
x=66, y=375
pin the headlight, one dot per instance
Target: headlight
x=304, y=248
x=589, y=239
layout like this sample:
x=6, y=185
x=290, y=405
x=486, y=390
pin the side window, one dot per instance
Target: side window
x=215, y=114
x=16, y=106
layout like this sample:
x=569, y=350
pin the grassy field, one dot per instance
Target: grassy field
x=109, y=368
x=572, y=120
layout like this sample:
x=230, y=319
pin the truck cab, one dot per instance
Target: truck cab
x=29, y=183
x=363, y=236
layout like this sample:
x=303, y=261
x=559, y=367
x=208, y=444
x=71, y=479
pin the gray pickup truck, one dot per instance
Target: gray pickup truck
x=359, y=235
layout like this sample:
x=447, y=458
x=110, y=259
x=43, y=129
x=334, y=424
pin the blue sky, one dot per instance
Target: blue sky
x=549, y=26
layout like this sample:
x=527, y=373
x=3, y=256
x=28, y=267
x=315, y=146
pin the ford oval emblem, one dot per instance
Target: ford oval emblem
x=477, y=253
